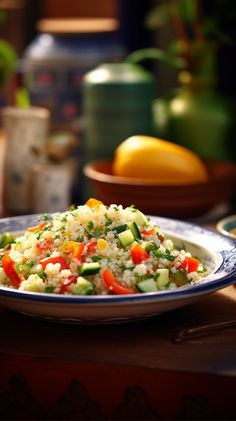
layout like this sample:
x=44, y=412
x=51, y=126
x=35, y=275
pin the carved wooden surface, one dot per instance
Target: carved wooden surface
x=130, y=371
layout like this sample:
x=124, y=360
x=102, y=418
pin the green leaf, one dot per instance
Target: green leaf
x=7, y=61
x=188, y=10
x=175, y=48
x=22, y=98
x=156, y=54
x=158, y=16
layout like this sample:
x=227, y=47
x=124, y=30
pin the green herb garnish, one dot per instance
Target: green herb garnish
x=42, y=275
x=96, y=258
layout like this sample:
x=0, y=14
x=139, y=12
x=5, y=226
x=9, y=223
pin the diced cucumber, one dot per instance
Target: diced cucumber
x=140, y=218
x=82, y=287
x=90, y=268
x=179, y=278
x=135, y=231
x=148, y=285
x=126, y=237
x=120, y=228
x=5, y=239
x=163, y=278
x=149, y=245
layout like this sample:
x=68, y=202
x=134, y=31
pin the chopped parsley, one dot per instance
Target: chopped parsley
x=80, y=239
x=166, y=255
x=93, y=232
x=97, y=233
x=73, y=207
x=124, y=267
x=44, y=217
x=42, y=275
x=29, y=263
x=108, y=222
x=90, y=225
x=96, y=258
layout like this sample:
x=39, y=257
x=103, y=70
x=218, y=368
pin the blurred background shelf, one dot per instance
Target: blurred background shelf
x=20, y=27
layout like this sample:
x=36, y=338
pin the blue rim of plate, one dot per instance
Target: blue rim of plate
x=224, y=276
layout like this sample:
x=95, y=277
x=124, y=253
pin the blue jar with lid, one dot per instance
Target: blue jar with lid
x=55, y=62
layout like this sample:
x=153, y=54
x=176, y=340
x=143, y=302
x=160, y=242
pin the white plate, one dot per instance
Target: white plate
x=218, y=251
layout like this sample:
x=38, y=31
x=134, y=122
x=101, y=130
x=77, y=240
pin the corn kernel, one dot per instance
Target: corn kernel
x=102, y=244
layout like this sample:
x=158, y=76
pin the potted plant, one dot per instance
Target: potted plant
x=7, y=58
x=195, y=115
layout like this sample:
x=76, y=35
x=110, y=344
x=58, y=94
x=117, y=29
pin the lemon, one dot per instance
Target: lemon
x=146, y=157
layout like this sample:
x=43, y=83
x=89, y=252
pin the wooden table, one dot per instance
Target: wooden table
x=135, y=371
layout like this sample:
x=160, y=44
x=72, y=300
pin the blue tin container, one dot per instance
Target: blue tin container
x=55, y=62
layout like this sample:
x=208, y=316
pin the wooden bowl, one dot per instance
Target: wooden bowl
x=174, y=201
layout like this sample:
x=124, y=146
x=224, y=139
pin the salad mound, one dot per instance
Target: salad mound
x=96, y=249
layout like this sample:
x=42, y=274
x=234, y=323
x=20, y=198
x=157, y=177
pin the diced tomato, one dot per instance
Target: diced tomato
x=93, y=203
x=64, y=287
x=150, y=231
x=113, y=285
x=75, y=249
x=54, y=260
x=44, y=246
x=139, y=254
x=38, y=227
x=10, y=270
x=190, y=264
x=91, y=247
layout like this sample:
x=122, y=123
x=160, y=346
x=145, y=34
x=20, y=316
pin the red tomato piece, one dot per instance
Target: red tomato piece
x=139, y=254
x=10, y=270
x=190, y=264
x=91, y=247
x=44, y=246
x=54, y=260
x=150, y=231
x=113, y=285
x=64, y=287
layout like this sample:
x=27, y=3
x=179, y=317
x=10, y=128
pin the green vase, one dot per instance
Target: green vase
x=198, y=117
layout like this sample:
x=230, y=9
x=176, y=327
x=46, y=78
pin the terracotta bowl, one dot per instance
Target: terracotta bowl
x=180, y=201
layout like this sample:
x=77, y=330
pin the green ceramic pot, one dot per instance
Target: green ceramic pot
x=117, y=103
x=197, y=117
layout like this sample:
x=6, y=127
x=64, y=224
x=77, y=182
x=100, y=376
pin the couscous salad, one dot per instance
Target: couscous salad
x=96, y=249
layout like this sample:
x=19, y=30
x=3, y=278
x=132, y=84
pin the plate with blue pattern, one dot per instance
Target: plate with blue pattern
x=217, y=251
